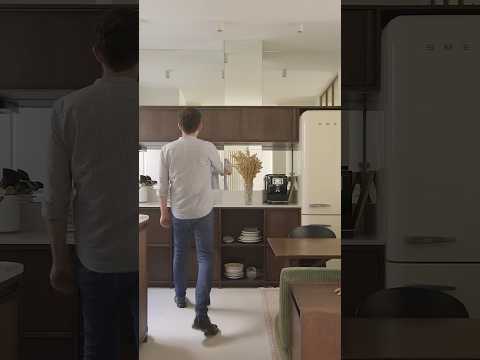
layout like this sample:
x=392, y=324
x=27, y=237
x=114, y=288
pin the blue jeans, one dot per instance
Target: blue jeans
x=109, y=306
x=184, y=230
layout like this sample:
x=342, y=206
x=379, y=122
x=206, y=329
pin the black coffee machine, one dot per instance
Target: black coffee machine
x=276, y=189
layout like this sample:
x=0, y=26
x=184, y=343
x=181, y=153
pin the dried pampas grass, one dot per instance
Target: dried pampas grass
x=247, y=165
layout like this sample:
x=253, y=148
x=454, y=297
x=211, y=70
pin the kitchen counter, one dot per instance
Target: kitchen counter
x=9, y=271
x=42, y=237
x=230, y=205
x=30, y=238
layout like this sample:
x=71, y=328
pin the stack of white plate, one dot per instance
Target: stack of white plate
x=227, y=239
x=234, y=271
x=250, y=236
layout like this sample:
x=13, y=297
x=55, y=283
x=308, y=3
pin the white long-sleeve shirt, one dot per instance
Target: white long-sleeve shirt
x=186, y=169
x=94, y=147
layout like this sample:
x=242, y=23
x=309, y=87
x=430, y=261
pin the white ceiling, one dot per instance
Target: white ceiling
x=186, y=24
x=181, y=36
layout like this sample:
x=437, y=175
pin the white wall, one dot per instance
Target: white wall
x=31, y=130
x=154, y=96
x=5, y=141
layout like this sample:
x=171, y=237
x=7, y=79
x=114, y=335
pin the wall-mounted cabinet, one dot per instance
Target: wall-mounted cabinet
x=360, y=48
x=49, y=46
x=223, y=124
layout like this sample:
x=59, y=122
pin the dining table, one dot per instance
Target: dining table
x=293, y=250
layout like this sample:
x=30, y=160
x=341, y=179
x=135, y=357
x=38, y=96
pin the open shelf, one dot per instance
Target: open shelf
x=235, y=220
x=242, y=282
x=260, y=244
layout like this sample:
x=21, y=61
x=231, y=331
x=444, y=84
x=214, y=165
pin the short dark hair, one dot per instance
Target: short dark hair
x=190, y=120
x=117, y=38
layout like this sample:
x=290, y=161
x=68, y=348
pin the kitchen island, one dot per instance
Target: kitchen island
x=50, y=322
x=10, y=288
x=143, y=221
x=230, y=219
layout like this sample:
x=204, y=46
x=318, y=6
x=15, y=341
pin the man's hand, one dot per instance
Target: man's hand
x=166, y=219
x=62, y=279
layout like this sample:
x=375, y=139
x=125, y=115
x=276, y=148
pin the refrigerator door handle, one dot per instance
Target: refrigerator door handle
x=434, y=287
x=317, y=205
x=425, y=240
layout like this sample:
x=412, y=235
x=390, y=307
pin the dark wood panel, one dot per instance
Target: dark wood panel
x=156, y=234
x=159, y=263
x=143, y=282
x=279, y=223
x=58, y=312
x=221, y=125
x=267, y=124
x=360, y=48
x=52, y=349
x=363, y=273
x=235, y=220
x=158, y=124
x=35, y=60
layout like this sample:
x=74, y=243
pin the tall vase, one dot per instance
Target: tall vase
x=248, y=192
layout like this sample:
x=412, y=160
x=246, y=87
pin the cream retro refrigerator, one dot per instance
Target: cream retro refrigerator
x=428, y=183
x=320, y=170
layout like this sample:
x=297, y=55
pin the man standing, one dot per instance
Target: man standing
x=186, y=169
x=93, y=158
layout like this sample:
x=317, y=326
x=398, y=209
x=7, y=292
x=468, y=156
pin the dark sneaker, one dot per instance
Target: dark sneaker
x=204, y=324
x=181, y=302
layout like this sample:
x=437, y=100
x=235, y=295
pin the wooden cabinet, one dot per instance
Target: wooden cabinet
x=228, y=221
x=49, y=320
x=159, y=250
x=279, y=223
x=363, y=273
x=10, y=319
x=223, y=124
x=143, y=281
x=156, y=234
x=49, y=47
x=267, y=124
x=360, y=48
x=158, y=124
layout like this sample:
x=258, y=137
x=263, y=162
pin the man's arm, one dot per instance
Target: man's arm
x=217, y=163
x=57, y=202
x=164, y=185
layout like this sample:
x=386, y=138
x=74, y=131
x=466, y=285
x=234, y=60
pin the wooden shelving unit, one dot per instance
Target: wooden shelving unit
x=228, y=221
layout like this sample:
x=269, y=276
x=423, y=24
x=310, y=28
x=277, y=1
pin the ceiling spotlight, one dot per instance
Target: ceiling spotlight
x=284, y=73
x=220, y=28
x=167, y=74
x=300, y=29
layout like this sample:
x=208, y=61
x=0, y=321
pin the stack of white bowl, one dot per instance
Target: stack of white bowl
x=250, y=236
x=234, y=271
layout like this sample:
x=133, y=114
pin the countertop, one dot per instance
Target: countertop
x=9, y=270
x=230, y=205
x=41, y=237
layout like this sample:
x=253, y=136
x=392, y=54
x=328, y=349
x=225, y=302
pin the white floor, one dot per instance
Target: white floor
x=239, y=313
